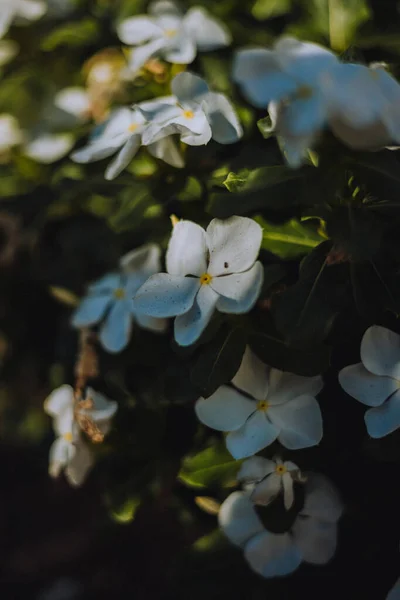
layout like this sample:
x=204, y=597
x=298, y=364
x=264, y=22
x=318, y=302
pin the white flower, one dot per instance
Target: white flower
x=365, y=111
x=195, y=113
x=169, y=34
x=22, y=10
x=123, y=131
x=206, y=270
x=311, y=539
x=10, y=133
x=69, y=451
x=375, y=381
x=394, y=593
x=109, y=300
x=298, y=79
x=75, y=102
x=278, y=405
x=266, y=479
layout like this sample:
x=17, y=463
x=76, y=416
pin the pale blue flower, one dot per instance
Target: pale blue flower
x=194, y=112
x=266, y=404
x=123, y=132
x=375, y=381
x=394, y=593
x=171, y=35
x=207, y=270
x=109, y=300
x=312, y=538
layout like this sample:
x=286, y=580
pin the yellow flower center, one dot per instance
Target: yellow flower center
x=205, y=279
x=280, y=469
x=119, y=293
x=171, y=32
x=68, y=437
x=132, y=127
x=188, y=114
x=304, y=92
x=262, y=405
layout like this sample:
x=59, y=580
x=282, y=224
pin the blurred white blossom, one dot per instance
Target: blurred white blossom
x=312, y=537
x=10, y=134
x=20, y=11
x=171, y=35
x=207, y=270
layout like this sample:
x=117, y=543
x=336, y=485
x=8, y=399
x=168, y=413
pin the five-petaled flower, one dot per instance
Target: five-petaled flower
x=109, y=300
x=70, y=452
x=124, y=131
x=268, y=478
x=375, y=381
x=207, y=269
x=169, y=34
x=311, y=539
x=193, y=112
x=266, y=404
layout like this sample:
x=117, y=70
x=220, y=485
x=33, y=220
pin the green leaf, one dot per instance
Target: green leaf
x=219, y=360
x=83, y=33
x=337, y=20
x=266, y=9
x=135, y=201
x=125, y=513
x=290, y=240
x=211, y=467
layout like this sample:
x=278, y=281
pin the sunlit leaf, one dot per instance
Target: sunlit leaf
x=213, y=466
x=289, y=240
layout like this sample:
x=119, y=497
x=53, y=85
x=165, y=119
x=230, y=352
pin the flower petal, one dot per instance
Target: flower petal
x=303, y=60
x=272, y=554
x=59, y=400
x=187, y=250
x=165, y=295
x=234, y=242
x=139, y=55
x=255, y=468
x=285, y=386
x=380, y=351
x=146, y=259
x=225, y=410
x=238, y=519
x=252, y=376
x=31, y=9
x=91, y=310
x=207, y=32
x=246, y=303
x=299, y=422
x=103, y=408
x=49, y=147
x=260, y=77
x=74, y=100
x=316, y=540
x=321, y=501
x=183, y=52
x=188, y=87
x=394, y=593
x=304, y=116
x=116, y=329
x=124, y=157
x=384, y=419
x=167, y=151
x=189, y=327
x=80, y=464
x=241, y=287
x=61, y=452
x=106, y=284
x=151, y=323
x=266, y=490
x=225, y=125
x=366, y=387
x=257, y=433
x=137, y=30
x=288, y=493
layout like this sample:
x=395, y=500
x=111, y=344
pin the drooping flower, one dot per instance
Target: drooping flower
x=70, y=452
x=375, y=381
x=195, y=113
x=109, y=300
x=19, y=10
x=266, y=479
x=124, y=131
x=266, y=404
x=170, y=35
x=297, y=78
x=207, y=270
x=312, y=537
